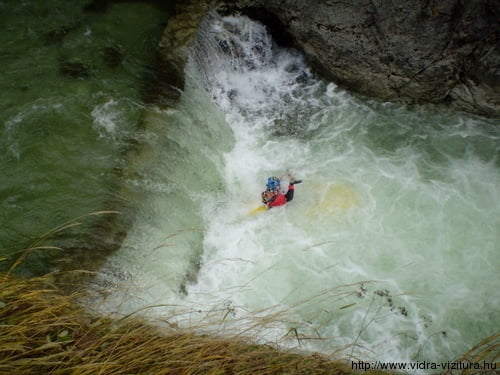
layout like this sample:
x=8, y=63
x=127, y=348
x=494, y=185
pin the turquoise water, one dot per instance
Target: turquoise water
x=72, y=95
x=388, y=251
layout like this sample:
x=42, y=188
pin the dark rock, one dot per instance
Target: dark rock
x=101, y=6
x=57, y=35
x=74, y=68
x=174, y=46
x=419, y=51
x=112, y=56
x=97, y=6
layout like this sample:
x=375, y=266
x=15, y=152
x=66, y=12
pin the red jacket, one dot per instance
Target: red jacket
x=280, y=199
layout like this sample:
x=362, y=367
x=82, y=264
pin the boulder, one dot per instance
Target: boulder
x=177, y=38
x=425, y=51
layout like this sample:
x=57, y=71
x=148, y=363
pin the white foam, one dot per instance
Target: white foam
x=106, y=117
x=383, y=236
x=378, y=204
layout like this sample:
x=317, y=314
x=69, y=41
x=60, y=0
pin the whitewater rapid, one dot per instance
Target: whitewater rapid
x=388, y=251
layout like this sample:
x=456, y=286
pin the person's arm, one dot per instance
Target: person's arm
x=289, y=193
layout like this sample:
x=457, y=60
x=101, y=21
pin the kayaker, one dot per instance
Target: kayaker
x=275, y=195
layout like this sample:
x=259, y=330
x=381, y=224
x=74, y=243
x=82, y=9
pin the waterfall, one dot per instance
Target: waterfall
x=389, y=249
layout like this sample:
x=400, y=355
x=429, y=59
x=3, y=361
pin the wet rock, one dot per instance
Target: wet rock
x=97, y=6
x=112, y=56
x=74, y=68
x=174, y=46
x=57, y=35
x=419, y=52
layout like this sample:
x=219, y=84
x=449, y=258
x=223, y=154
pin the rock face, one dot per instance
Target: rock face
x=417, y=51
x=174, y=46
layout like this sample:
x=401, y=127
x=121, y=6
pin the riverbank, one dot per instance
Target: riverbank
x=424, y=181
x=44, y=331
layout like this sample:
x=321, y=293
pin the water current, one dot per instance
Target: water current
x=389, y=249
x=72, y=95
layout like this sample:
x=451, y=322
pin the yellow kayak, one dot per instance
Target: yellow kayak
x=337, y=199
x=262, y=208
x=257, y=210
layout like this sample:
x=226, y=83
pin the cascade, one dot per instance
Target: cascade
x=389, y=249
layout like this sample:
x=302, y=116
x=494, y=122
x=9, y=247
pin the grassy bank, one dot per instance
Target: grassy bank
x=43, y=331
x=46, y=330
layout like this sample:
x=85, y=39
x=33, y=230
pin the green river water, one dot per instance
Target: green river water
x=391, y=242
x=73, y=84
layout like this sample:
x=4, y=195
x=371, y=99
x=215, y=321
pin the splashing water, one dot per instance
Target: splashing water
x=389, y=249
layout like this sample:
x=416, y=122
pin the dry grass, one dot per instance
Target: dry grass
x=486, y=354
x=43, y=331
